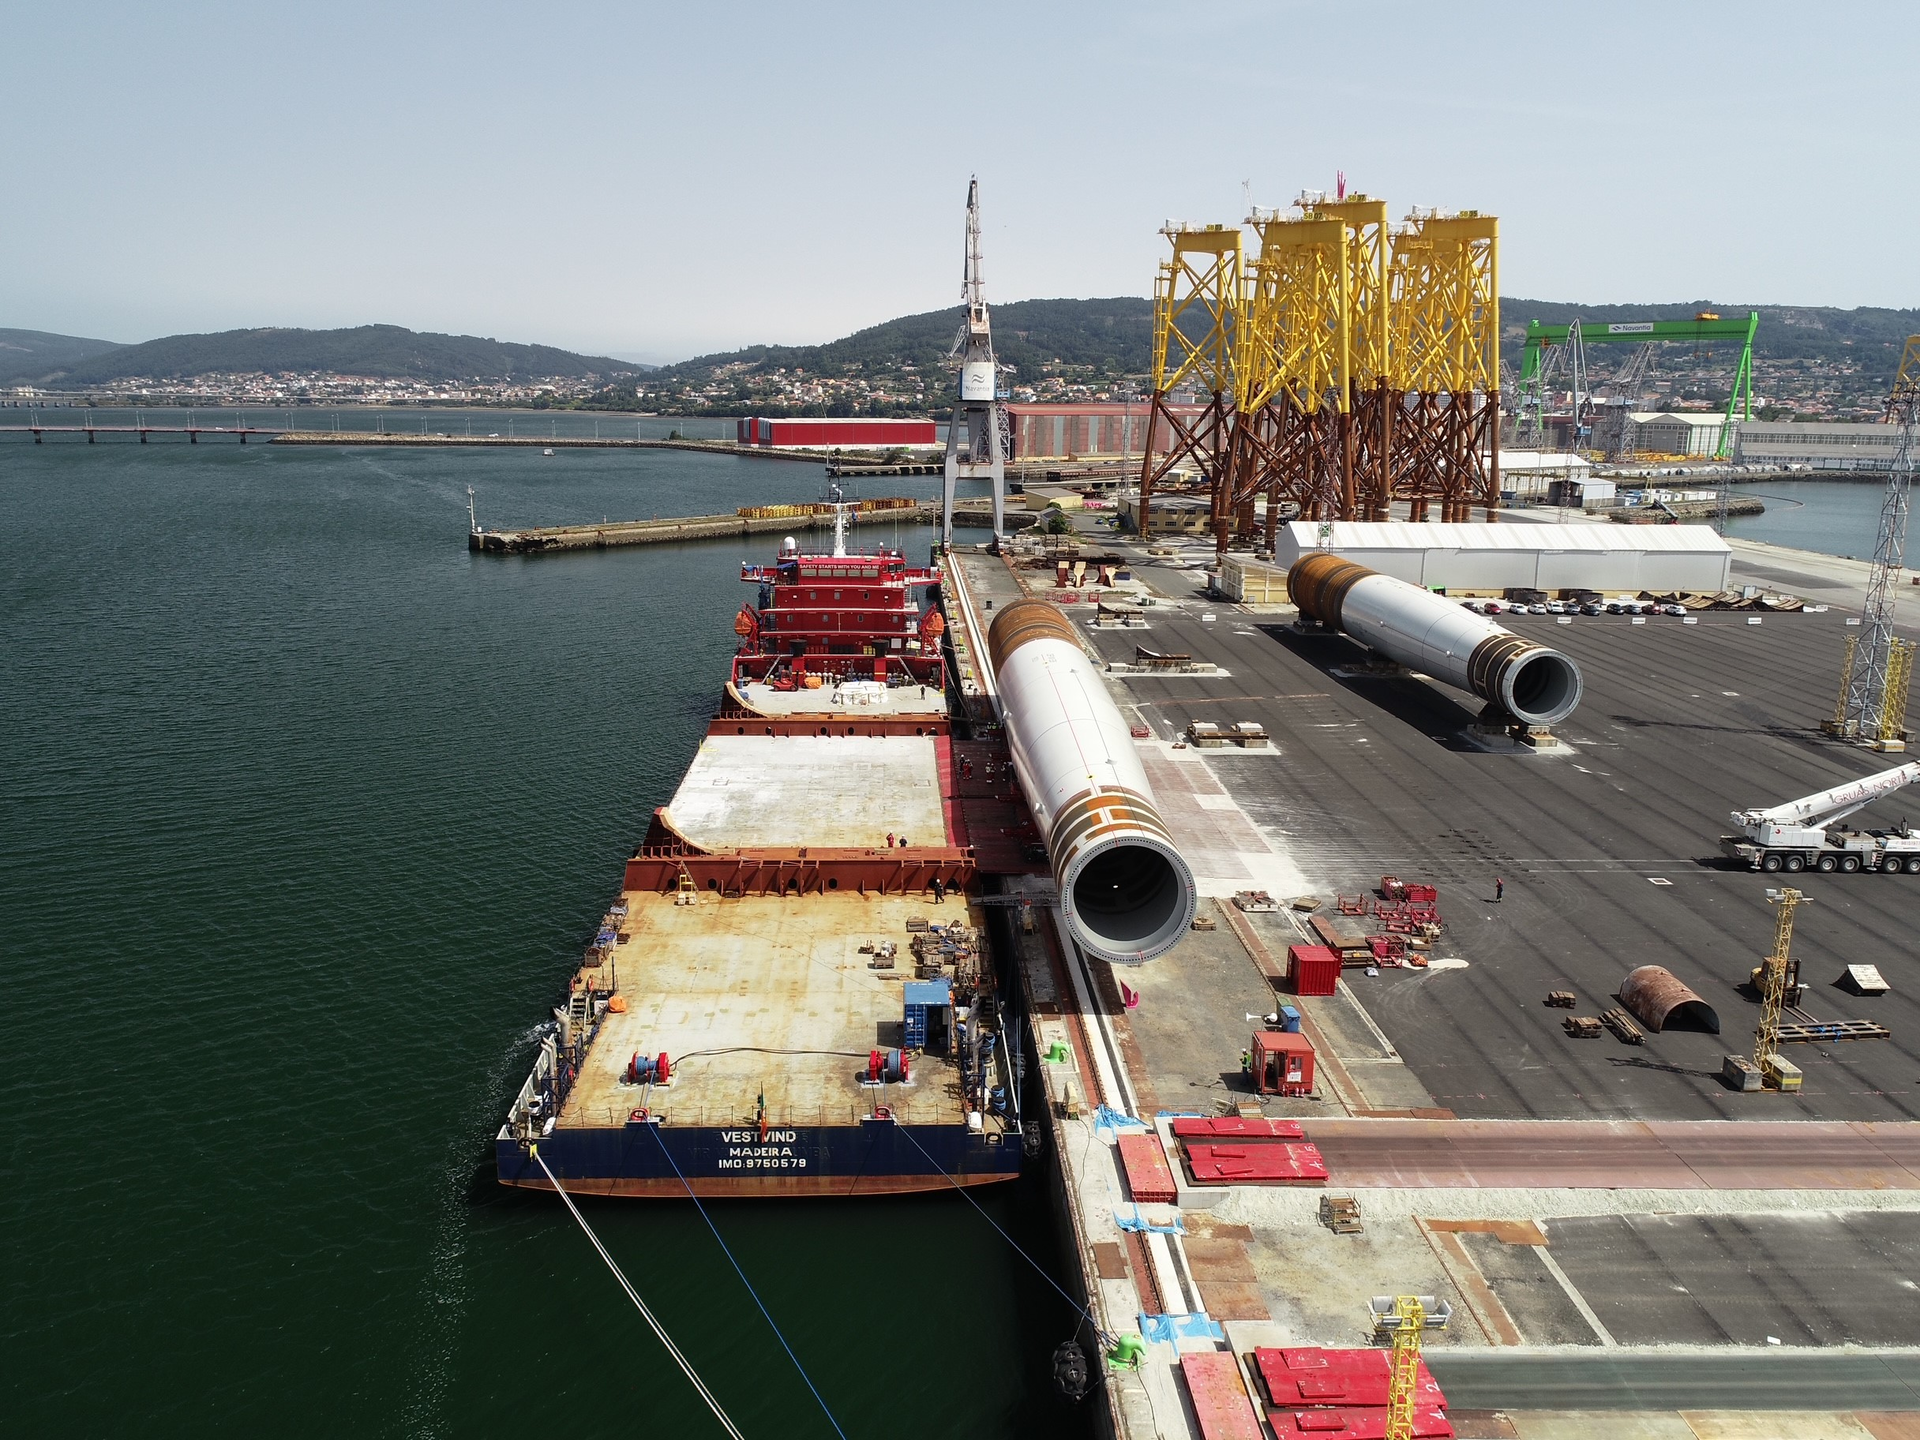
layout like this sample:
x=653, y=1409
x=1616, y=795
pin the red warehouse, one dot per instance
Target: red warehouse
x=829, y=434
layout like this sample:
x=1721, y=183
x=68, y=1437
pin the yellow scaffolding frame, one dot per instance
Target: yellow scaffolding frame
x=1444, y=304
x=1296, y=339
x=1207, y=270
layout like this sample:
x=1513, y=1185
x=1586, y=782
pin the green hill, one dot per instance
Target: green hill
x=382, y=352
x=1114, y=334
x=30, y=356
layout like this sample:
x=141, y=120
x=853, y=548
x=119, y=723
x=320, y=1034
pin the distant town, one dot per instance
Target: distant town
x=1805, y=389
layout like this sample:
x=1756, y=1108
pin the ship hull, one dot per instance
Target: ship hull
x=876, y=1158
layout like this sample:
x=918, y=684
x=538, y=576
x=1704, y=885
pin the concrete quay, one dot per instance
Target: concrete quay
x=1630, y=1249
x=398, y=439
x=555, y=539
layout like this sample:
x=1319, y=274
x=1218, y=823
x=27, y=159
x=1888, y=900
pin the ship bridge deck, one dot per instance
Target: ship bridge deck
x=764, y=996
x=852, y=700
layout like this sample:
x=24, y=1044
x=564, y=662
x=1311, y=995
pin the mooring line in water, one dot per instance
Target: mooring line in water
x=660, y=1333
x=748, y=1283
x=1084, y=1310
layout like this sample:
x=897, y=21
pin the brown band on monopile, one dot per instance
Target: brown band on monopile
x=1026, y=620
x=1319, y=584
x=1490, y=658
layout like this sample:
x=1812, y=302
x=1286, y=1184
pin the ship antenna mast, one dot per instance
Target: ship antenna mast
x=837, y=498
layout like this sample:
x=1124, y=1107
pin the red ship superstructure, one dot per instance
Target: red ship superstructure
x=838, y=634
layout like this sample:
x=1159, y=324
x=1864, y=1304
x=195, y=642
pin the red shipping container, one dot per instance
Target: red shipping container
x=1220, y=1399
x=1256, y=1164
x=1313, y=969
x=1149, y=1177
x=1281, y=1062
x=1237, y=1127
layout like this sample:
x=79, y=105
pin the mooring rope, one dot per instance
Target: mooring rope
x=660, y=1333
x=1084, y=1310
x=748, y=1283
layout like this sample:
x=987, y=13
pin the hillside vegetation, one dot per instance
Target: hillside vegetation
x=28, y=356
x=384, y=352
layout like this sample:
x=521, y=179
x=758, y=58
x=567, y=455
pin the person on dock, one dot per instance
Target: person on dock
x=889, y=839
x=1499, y=889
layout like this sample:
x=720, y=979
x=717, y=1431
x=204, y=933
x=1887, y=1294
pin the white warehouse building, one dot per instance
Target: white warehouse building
x=1477, y=558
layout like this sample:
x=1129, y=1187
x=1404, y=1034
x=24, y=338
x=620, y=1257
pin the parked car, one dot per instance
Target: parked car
x=1593, y=607
x=1492, y=607
x=1556, y=607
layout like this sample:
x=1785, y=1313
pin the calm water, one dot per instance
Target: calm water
x=307, y=813
x=1835, y=517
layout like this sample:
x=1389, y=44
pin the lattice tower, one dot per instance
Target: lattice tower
x=1404, y=1366
x=1865, y=707
x=1893, y=709
x=1773, y=976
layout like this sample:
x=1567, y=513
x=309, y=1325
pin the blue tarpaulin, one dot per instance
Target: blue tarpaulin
x=1169, y=1328
x=1128, y=1217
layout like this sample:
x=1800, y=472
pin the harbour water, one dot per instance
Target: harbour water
x=307, y=814
x=1834, y=517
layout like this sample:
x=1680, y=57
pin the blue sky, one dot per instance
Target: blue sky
x=659, y=181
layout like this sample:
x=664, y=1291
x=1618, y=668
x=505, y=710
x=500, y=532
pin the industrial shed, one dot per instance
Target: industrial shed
x=1486, y=559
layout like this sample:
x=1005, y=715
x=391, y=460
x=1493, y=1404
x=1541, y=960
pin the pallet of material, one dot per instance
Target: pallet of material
x=1263, y=1163
x=1220, y=1400
x=1255, y=902
x=1581, y=1027
x=1810, y=1029
x=1237, y=1127
x=1335, y=936
x=1623, y=1025
x=1341, y=1214
x=1149, y=1177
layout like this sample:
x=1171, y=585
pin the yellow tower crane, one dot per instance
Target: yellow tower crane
x=1404, y=1319
x=1774, y=978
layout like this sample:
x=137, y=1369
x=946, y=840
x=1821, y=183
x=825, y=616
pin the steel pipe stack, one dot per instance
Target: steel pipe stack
x=1127, y=893
x=1439, y=637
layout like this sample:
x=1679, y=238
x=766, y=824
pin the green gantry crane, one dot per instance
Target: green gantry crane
x=1703, y=329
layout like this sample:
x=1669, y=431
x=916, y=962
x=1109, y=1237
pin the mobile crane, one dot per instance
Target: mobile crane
x=1800, y=834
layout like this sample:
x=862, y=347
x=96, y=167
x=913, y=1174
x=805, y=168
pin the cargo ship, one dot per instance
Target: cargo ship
x=793, y=992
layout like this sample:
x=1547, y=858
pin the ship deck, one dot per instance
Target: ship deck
x=749, y=791
x=763, y=996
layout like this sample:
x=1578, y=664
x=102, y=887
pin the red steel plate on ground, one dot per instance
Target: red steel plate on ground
x=1258, y=1164
x=1220, y=1397
x=1352, y=1424
x=1236, y=1127
x=1294, y=1378
x=1149, y=1177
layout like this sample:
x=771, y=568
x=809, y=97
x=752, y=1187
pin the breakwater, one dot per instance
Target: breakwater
x=435, y=440
x=608, y=535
